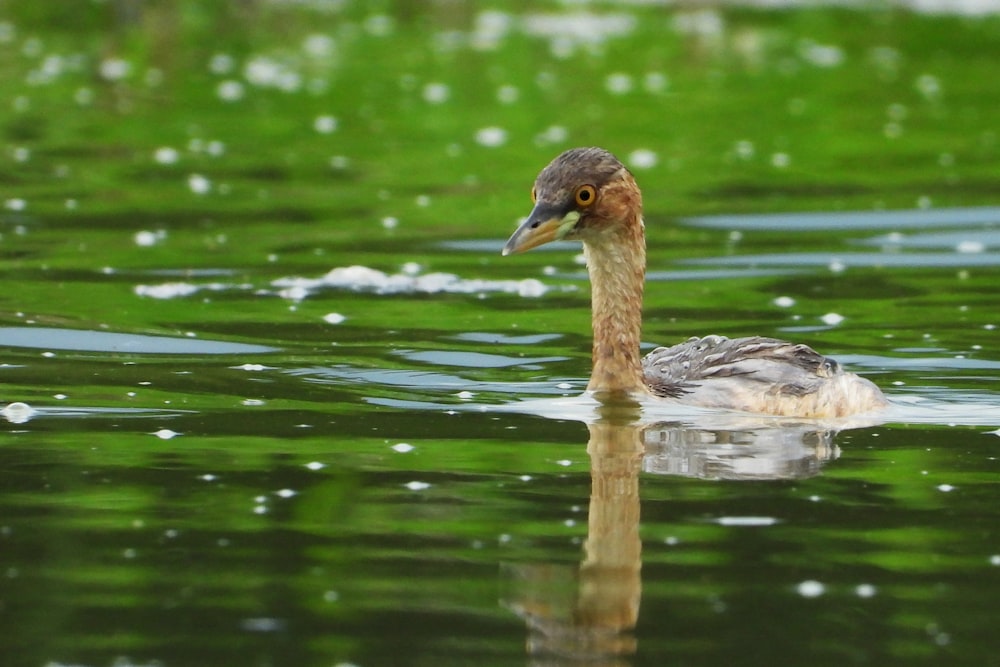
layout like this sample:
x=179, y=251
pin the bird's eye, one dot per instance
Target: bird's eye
x=534, y=195
x=585, y=195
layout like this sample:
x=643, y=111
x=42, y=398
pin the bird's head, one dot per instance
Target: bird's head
x=583, y=194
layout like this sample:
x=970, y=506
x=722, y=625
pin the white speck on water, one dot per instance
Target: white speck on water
x=423, y=201
x=525, y=478
x=837, y=266
x=744, y=149
x=260, y=509
x=166, y=434
x=821, y=55
x=655, y=82
x=924, y=202
x=815, y=498
x=380, y=25
x=810, y=589
x=832, y=319
x=221, y=63
x=402, y=447
x=250, y=367
x=129, y=553
x=491, y=137
x=166, y=290
x=315, y=465
x=780, y=160
x=564, y=463
x=929, y=86
x=642, y=158
x=746, y=521
x=995, y=560
x=17, y=412
x=671, y=540
x=199, y=184
x=59, y=397
x=114, y=69
x=619, y=83
x=466, y=395
x=865, y=590
x=166, y=155
x=970, y=247
x=15, y=204
x=508, y=94
x=553, y=134
x=146, y=238
x=286, y=493
x=319, y=45
x=21, y=153
x=945, y=488
x=331, y=596
x=325, y=124
x=334, y=318
x=208, y=477
x=215, y=148
x=390, y=222
x=784, y=302
x=252, y=402
x=569, y=523
x=564, y=385
x=417, y=486
x=436, y=92
x=50, y=355
x=340, y=162
x=230, y=90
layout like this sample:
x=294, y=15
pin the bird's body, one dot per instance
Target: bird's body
x=588, y=194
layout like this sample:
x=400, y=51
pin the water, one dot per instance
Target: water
x=273, y=397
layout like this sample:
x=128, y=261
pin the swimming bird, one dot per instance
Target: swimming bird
x=587, y=194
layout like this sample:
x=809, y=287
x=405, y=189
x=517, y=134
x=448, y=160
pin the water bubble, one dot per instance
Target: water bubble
x=929, y=86
x=780, y=160
x=832, y=319
x=166, y=155
x=744, y=149
x=166, y=434
x=655, y=82
x=417, y=486
x=436, y=92
x=199, y=184
x=221, y=63
x=403, y=447
x=642, y=158
x=784, y=302
x=810, y=589
x=325, y=124
x=379, y=25
x=319, y=46
x=334, y=318
x=15, y=204
x=491, y=137
x=508, y=94
x=618, y=83
x=17, y=412
x=229, y=90
x=114, y=69
x=865, y=590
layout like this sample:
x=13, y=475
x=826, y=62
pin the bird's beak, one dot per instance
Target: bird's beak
x=545, y=224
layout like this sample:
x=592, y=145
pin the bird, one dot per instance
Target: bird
x=589, y=195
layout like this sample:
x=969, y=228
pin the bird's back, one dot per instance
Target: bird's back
x=756, y=374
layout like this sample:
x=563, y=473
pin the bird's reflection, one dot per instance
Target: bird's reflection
x=586, y=613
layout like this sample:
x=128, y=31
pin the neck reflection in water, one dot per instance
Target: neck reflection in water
x=588, y=612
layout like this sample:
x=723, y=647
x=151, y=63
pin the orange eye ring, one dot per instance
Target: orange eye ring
x=534, y=195
x=586, y=195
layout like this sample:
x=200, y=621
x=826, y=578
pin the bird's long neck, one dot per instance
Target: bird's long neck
x=617, y=266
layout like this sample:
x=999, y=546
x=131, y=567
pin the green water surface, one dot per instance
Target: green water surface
x=273, y=362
